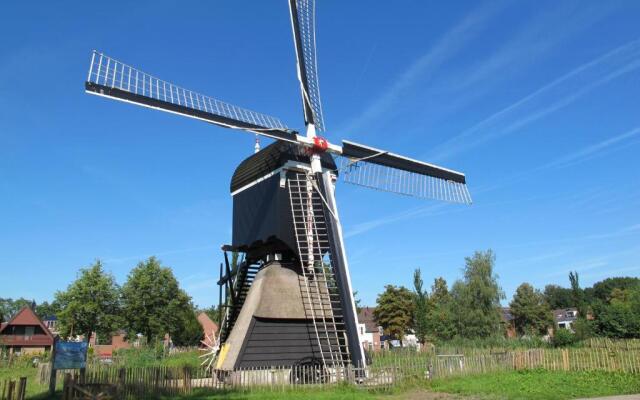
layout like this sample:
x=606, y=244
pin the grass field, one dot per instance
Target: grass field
x=540, y=384
x=532, y=384
x=522, y=385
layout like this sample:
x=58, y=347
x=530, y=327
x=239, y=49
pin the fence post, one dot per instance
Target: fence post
x=52, y=372
x=565, y=359
x=12, y=388
x=22, y=388
x=187, y=379
x=66, y=387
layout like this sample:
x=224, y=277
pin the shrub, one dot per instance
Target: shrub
x=563, y=338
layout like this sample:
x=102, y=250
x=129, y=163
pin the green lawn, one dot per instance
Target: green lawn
x=540, y=384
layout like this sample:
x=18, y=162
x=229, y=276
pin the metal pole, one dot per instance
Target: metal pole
x=220, y=300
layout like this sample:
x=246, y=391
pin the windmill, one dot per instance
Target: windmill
x=288, y=300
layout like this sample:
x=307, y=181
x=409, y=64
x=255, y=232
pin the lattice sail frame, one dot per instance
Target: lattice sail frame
x=306, y=15
x=109, y=72
x=398, y=181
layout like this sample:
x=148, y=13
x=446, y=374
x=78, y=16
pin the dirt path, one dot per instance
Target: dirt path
x=627, y=397
x=426, y=395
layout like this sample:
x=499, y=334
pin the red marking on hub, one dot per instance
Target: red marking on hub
x=320, y=144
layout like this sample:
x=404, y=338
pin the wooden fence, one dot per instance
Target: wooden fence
x=384, y=373
x=581, y=359
x=614, y=344
x=14, y=389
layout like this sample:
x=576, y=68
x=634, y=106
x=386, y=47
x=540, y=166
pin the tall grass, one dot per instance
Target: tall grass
x=149, y=356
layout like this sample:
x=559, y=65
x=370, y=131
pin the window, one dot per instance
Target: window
x=29, y=331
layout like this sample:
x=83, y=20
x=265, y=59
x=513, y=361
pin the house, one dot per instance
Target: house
x=565, y=317
x=209, y=329
x=51, y=322
x=508, y=321
x=25, y=333
x=368, y=330
x=105, y=350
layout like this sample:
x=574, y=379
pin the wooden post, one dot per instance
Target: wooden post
x=12, y=389
x=187, y=380
x=22, y=388
x=66, y=387
x=52, y=372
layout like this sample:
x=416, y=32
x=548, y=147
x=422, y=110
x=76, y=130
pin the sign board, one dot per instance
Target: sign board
x=70, y=355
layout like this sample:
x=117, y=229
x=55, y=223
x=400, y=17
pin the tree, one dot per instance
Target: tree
x=440, y=318
x=620, y=317
x=604, y=290
x=530, y=312
x=213, y=312
x=154, y=304
x=190, y=333
x=439, y=291
x=91, y=303
x=558, y=297
x=9, y=307
x=46, y=309
x=577, y=294
x=420, y=300
x=394, y=310
x=357, y=301
x=477, y=298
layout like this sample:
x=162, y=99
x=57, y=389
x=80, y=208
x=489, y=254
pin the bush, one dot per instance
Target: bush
x=583, y=329
x=563, y=338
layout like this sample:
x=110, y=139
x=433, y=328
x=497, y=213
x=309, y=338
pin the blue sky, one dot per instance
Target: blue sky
x=537, y=102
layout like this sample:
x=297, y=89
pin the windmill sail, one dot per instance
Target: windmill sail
x=304, y=37
x=111, y=78
x=378, y=169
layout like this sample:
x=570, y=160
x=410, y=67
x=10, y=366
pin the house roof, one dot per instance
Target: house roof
x=507, y=316
x=208, y=325
x=365, y=316
x=565, y=314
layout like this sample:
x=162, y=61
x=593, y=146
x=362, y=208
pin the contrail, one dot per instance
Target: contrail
x=626, y=58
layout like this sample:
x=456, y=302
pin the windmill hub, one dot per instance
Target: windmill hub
x=320, y=145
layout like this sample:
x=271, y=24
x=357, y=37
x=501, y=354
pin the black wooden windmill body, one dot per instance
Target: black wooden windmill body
x=290, y=298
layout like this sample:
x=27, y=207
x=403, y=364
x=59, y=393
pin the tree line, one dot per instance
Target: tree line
x=150, y=302
x=471, y=307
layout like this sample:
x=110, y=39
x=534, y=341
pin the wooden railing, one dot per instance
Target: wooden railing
x=35, y=339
